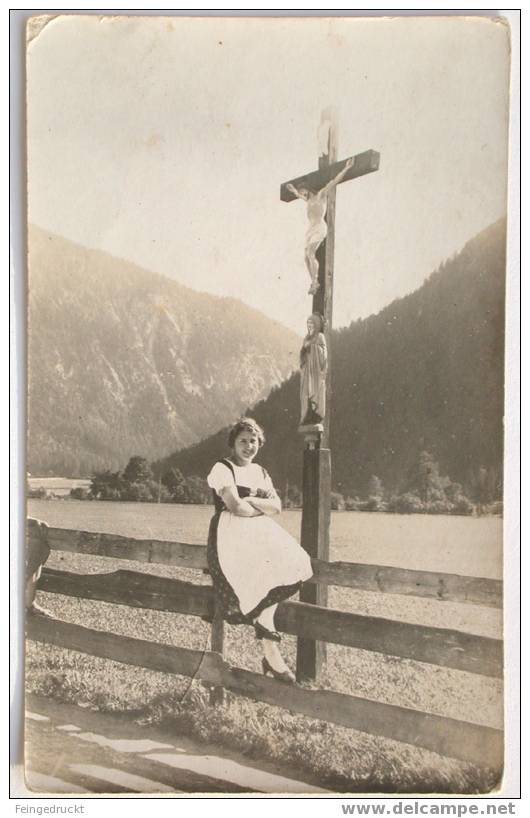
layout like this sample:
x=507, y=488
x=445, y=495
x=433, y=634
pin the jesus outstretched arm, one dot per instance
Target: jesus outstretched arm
x=338, y=178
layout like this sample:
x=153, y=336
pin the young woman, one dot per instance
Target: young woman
x=254, y=563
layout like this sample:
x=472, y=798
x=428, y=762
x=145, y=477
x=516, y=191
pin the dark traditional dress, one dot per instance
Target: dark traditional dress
x=253, y=561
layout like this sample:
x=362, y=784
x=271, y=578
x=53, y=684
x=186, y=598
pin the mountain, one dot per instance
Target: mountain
x=426, y=373
x=124, y=361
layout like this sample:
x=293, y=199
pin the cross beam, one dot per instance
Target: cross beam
x=364, y=163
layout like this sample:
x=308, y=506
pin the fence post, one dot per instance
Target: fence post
x=310, y=654
x=217, y=694
x=37, y=552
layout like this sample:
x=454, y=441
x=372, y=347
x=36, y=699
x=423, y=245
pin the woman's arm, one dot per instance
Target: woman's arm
x=269, y=506
x=236, y=505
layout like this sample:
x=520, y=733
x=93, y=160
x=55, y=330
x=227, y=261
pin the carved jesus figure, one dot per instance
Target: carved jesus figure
x=317, y=203
x=313, y=368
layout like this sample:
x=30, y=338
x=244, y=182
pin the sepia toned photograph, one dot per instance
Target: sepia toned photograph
x=266, y=276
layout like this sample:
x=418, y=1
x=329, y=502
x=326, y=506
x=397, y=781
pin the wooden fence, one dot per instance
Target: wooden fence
x=481, y=655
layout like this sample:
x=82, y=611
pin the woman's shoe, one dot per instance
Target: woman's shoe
x=283, y=676
x=264, y=633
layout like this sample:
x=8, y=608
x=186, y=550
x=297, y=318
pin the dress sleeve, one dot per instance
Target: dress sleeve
x=267, y=482
x=220, y=477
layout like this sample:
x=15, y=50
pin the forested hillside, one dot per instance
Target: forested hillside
x=425, y=374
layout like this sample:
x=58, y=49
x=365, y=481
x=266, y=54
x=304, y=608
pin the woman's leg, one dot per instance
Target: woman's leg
x=266, y=617
x=272, y=653
x=270, y=648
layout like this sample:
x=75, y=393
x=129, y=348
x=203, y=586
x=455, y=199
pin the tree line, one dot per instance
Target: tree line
x=137, y=483
x=425, y=490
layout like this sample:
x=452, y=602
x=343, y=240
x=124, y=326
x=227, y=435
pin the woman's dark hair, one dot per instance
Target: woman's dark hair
x=246, y=425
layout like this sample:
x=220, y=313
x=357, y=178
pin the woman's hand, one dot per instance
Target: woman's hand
x=236, y=505
x=269, y=506
x=263, y=494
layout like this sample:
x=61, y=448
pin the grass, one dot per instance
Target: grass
x=340, y=759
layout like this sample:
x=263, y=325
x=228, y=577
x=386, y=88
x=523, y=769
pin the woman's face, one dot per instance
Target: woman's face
x=246, y=446
x=310, y=326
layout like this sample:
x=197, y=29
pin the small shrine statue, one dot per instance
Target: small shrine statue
x=317, y=204
x=313, y=368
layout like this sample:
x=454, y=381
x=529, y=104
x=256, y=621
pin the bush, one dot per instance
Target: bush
x=462, y=505
x=140, y=492
x=375, y=503
x=442, y=506
x=39, y=493
x=337, y=501
x=195, y=491
x=137, y=470
x=106, y=485
x=173, y=482
x=80, y=493
x=407, y=504
x=292, y=497
x=494, y=508
x=110, y=493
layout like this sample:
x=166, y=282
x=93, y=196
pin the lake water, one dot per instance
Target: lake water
x=460, y=545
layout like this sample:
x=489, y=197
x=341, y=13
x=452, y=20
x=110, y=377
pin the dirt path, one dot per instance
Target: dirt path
x=74, y=750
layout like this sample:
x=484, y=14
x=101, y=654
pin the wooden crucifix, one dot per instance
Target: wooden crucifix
x=318, y=189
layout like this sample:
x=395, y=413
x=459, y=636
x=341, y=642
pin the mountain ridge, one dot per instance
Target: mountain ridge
x=126, y=361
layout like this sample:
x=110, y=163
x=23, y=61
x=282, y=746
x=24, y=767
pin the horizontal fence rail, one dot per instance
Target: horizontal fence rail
x=438, y=646
x=404, y=581
x=380, y=578
x=159, y=552
x=473, y=743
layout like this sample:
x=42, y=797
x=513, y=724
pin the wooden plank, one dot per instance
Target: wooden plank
x=474, y=743
x=382, y=578
x=134, y=589
x=438, y=646
x=161, y=552
x=366, y=162
x=389, y=580
x=125, y=649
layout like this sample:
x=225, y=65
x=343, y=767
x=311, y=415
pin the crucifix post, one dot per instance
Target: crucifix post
x=316, y=471
x=318, y=189
x=323, y=298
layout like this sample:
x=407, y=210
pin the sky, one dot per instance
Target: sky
x=165, y=142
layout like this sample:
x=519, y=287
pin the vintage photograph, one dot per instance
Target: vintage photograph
x=266, y=337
